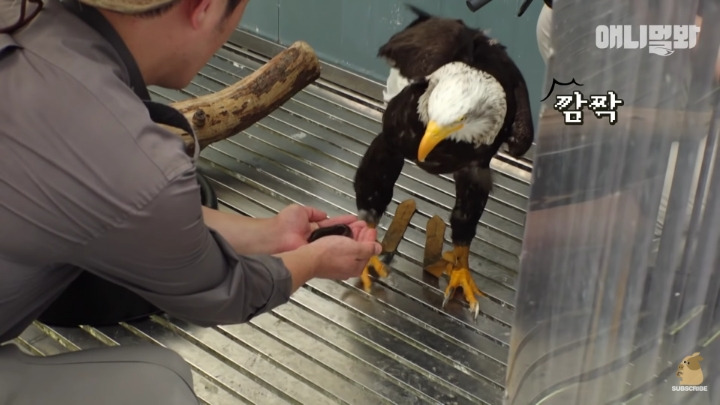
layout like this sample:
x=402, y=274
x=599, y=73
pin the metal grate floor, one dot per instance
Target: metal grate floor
x=333, y=343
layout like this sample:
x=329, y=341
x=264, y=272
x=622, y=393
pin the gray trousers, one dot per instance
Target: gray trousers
x=138, y=375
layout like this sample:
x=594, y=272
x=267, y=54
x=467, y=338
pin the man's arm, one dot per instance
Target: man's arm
x=165, y=253
x=246, y=235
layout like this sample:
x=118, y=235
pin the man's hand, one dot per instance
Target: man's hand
x=340, y=258
x=286, y=231
x=295, y=223
x=333, y=257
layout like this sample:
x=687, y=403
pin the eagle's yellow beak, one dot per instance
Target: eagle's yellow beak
x=434, y=134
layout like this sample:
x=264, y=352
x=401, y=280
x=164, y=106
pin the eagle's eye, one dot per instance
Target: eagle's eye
x=463, y=118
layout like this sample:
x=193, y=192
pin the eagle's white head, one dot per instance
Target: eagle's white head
x=461, y=103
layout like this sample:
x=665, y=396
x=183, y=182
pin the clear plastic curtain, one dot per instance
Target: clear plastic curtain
x=619, y=277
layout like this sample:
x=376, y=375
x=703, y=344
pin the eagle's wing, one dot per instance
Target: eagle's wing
x=426, y=44
x=492, y=57
x=395, y=84
x=522, y=133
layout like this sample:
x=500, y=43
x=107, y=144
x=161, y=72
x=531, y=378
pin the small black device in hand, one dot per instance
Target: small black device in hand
x=341, y=229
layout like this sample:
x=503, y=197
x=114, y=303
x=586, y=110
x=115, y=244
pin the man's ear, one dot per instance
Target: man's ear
x=198, y=12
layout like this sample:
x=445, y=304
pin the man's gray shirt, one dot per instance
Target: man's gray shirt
x=88, y=181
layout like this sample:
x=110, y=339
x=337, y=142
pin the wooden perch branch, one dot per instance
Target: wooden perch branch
x=225, y=113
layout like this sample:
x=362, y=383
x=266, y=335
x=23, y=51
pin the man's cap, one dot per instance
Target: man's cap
x=127, y=6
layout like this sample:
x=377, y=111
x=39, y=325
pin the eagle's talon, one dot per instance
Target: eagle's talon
x=475, y=309
x=365, y=277
x=379, y=268
x=455, y=263
x=461, y=277
x=449, y=292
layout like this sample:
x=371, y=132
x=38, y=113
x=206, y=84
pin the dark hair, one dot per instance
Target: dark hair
x=231, y=6
x=159, y=10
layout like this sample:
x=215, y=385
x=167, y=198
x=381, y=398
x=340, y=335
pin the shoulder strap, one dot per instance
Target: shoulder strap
x=164, y=114
x=97, y=21
x=7, y=43
x=159, y=113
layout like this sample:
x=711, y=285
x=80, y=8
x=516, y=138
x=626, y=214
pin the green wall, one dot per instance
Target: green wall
x=348, y=33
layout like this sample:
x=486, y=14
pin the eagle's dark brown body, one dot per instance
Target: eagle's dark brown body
x=424, y=46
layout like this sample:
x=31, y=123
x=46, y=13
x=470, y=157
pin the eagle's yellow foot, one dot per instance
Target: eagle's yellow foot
x=379, y=268
x=455, y=264
x=460, y=277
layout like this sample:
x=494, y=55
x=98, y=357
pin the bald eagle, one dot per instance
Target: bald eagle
x=454, y=98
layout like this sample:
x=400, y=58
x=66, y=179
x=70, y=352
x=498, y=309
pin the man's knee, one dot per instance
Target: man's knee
x=145, y=354
x=139, y=375
x=155, y=375
x=166, y=384
x=175, y=363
